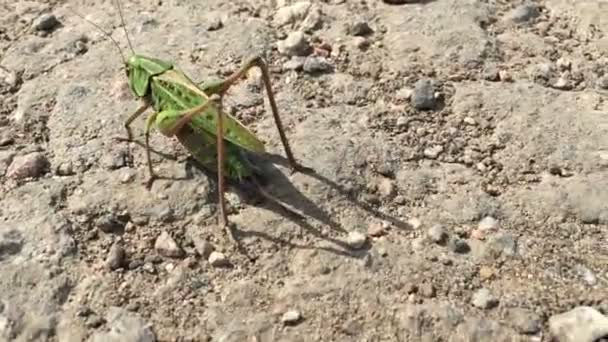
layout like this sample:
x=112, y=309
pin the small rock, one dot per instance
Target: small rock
x=166, y=246
x=214, y=23
x=46, y=22
x=414, y=223
x=313, y=21
x=295, y=44
x=94, y=321
x=6, y=138
x=217, y=259
x=581, y=324
x=469, y=121
x=501, y=244
x=437, y=234
x=602, y=82
x=110, y=224
x=523, y=13
x=291, y=317
x=488, y=223
x=30, y=165
x=524, y=321
x=65, y=169
x=433, y=152
x=116, y=256
x=459, y=246
x=427, y=290
x=386, y=188
x=563, y=63
x=127, y=175
x=376, y=229
x=486, y=272
x=124, y=326
x=491, y=74
x=6, y=157
x=562, y=84
x=505, y=76
x=484, y=299
x=149, y=267
x=360, y=28
x=586, y=274
x=203, y=247
x=404, y=93
x=356, y=240
x=361, y=42
x=292, y=14
x=423, y=97
x=295, y=63
x=317, y=65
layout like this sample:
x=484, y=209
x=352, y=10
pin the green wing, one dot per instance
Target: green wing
x=191, y=95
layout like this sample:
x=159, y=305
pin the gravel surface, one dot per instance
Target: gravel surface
x=459, y=192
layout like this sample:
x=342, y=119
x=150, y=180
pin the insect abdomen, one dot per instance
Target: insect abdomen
x=203, y=148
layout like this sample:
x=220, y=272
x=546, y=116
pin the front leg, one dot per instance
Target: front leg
x=142, y=108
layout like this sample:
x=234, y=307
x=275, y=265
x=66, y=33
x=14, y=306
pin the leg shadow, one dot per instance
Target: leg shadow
x=290, y=204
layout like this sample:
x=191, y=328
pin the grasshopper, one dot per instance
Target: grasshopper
x=192, y=113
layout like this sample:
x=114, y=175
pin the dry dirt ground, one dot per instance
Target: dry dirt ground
x=459, y=192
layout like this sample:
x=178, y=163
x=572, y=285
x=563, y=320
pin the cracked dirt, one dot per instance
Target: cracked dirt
x=460, y=157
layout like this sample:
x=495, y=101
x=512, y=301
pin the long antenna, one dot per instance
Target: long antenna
x=122, y=55
x=124, y=27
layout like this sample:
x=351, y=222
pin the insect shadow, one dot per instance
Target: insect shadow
x=290, y=203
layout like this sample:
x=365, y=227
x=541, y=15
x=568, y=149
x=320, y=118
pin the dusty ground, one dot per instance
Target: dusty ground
x=466, y=141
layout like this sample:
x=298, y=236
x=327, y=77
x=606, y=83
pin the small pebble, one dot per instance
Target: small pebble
x=484, y=299
x=491, y=74
x=360, y=28
x=376, y=229
x=427, y=290
x=505, y=76
x=581, y=324
x=65, y=169
x=524, y=321
x=562, y=84
x=486, y=273
x=110, y=224
x=46, y=22
x=291, y=317
x=488, y=223
x=523, y=13
x=356, y=240
x=296, y=63
x=438, y=234
x=165, y=245
x=386, y=187
x=361, y=42
x=459, y=246
x=217, y=259
x=317, y=65
x=203, y=247
x=214, y=24
x=30, y=165
x=404, y=93
x=433, y=152
x=469, y=121
x=602, y=82
x=423, y=97
x=292, y=14
x=414, y=222
x=6, y=138
x=116, y=257
x=295, y=44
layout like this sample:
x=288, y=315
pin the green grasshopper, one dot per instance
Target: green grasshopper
x=192, y=112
